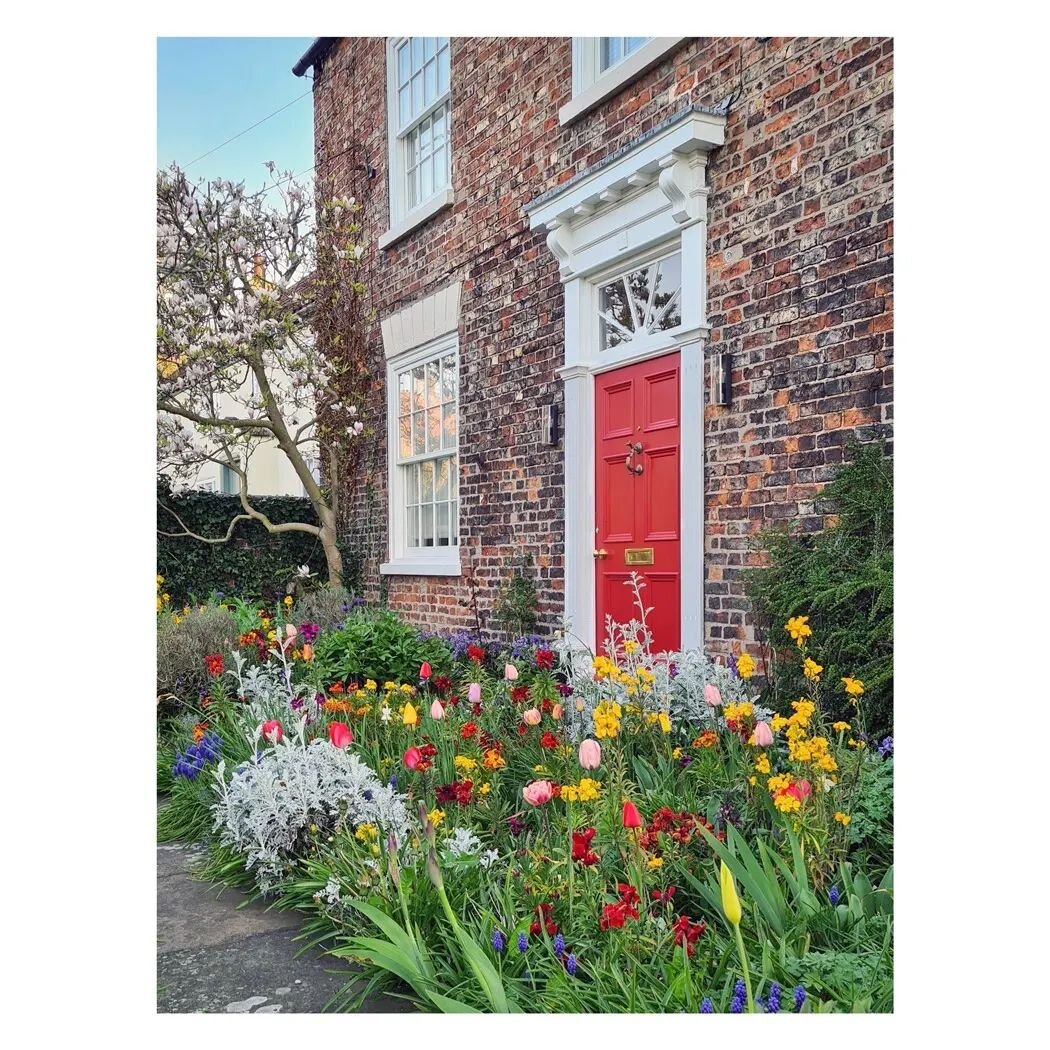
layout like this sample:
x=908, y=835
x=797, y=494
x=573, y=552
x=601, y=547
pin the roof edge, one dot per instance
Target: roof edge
x=313, y=54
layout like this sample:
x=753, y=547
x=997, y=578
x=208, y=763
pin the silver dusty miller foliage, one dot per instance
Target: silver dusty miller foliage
x=295, y=793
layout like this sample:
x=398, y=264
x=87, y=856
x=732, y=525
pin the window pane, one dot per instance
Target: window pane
x=640, y=284
x=632, y=43
x=404, y=437
x=448, y=378
x=417, y=93
x=402, y=65
x=417, y=52
x=427, y=476
x=433, y=429
x=612, y=301
x=427, y=526
x=426, y=182
x=428, y=47
x=442, y=524
x=454, y=516
x=443, y=469
x=412, y=188
x=443, y=69
x=611, y=51
x=440, y=169
x=419, y=399
x=448, y=426
x=433, y=383
x=430, y=82
x=412, y=526
x=404, y=393
x=418, y=434
x=404, y=110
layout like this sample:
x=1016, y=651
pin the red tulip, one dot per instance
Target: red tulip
x=424, y=670
x=800, y=789
x=631, y=817
x=272, y=731
x=340, y=734
x=412, y=757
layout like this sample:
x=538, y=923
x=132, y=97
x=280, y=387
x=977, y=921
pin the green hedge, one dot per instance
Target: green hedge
x=253, y=563
x=842, y=579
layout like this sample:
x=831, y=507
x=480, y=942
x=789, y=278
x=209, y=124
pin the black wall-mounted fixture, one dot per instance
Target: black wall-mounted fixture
x=722, y=379
x=549, y=421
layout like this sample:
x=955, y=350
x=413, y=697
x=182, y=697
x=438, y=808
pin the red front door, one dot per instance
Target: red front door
x=637, y=496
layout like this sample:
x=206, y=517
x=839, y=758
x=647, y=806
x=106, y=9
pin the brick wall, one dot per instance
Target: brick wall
x=800, y=272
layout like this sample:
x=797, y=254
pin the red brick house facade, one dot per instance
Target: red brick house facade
x=568, y=243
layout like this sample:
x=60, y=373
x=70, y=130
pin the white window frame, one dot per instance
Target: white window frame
x=402, y=218
x=405, y=560
x=591, y=86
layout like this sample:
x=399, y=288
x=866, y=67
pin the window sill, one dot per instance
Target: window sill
x=438, y=565
x=615, y=79
x=417, y=217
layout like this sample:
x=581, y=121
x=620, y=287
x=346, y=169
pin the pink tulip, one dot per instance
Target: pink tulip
x=412, y=757
x=763, y=735
x=712, y=695
x=474, y=693
x=532, y=717
x=339, y=734
x=538, y=792
x=800, y=789
x=590, y=754
x=556, y=712
x=272, y=731
x=510, y=672
x=437, y=712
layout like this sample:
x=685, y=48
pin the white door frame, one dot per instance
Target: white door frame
x=651, y=197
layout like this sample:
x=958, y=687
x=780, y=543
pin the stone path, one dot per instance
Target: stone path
x=213, y=957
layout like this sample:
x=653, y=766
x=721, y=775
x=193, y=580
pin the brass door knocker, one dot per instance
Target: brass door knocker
x=633, y=447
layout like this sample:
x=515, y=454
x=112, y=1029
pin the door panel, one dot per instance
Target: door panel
x=639, y=404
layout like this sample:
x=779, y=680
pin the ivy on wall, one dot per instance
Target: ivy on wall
x=253, y=563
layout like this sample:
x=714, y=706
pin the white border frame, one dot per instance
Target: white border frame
x=651, y=200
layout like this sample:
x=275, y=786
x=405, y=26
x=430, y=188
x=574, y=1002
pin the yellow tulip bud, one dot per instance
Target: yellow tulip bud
x=730, y=901
x=409, y=715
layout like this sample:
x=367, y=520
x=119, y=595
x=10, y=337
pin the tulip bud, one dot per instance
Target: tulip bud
x=424, y=670
x=631, y=817
x=432, y=868
x=730, y=901
x=437, y=712
x=532, y=717
x=557, y=712
x=510, y=672
x=391, y=858
x=410, y=716
x=712, y=695
x=340, y=734
x=272, y=731
x=412, y=757
x=763, y=736
x=590, y=754
x=474, y=693
x=308, y=652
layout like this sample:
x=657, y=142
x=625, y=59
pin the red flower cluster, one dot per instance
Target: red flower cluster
x=544, y=659
x=686, y=932
x=679, y=826
x=214, y=664
x=476, y=653
x=664, y=895
x=459, y=791
x=581, y=847
x=543, y=912
x=615, y=915
x=442, y=683
x=335, y=688
x=549, y=741
x=519, y=694
x=426, y=753
x=468, y=730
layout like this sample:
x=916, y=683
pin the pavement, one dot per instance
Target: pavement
x=216, y=957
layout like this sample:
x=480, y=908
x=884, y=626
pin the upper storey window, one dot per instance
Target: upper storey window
x=420, y=122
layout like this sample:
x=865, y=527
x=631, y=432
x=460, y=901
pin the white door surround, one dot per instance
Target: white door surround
x=643, y=201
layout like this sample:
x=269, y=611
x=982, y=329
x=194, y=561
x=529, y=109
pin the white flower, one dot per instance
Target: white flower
x=385, y=714
x=304, y=571
x=488, y=858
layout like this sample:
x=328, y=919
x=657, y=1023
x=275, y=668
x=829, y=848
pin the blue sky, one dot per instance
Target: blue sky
x=210, y=88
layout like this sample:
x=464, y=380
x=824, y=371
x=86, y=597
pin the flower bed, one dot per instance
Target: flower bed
x=534, y=828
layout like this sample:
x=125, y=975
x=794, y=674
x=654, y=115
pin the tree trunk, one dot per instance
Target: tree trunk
x=331, y=548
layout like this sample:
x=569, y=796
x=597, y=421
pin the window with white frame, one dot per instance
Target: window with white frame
x=423, y=399
x=418, y=71
x=646, y=300
x=605, y=65
x=229, y=482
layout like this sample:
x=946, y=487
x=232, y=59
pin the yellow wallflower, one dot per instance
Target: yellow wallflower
x=408, y=690
x=786, y=803
x=390, y=686
x=160, y=581
x=655, y=862
x=366, y=833
x=436, y=816
x=745, y=665
x=734, y=712
x=811, y=669
x=607, y=719
x=645, y=675
x=288, y=600
x=665, y=722
x=485, y=788
x=630, y=647
x=752, y=781
x=370, y=684
x=799, y=629
x=859, y=744
x=762, y=764
x=840, y=727
x=464, y=762
x=676, y=753
x=843, y=818
x=853, y=686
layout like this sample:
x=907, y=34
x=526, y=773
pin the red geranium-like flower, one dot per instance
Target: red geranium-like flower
x=469, y=729
x=628, y=894
x=581, y=847
x=664, y=895
x=615, y=915
x=544, y=659
x=548, y=924
x=335, y=688
x=214, y=664
x=442, y=683
x=519, y=694
x=549, y=741
x=686, y=932
x=476, y=653
x=459, y=791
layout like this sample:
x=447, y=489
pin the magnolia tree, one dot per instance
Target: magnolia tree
x=237, y=362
